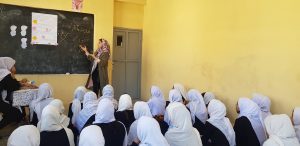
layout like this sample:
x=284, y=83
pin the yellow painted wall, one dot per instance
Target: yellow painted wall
x=64, y=85
x=142, y=2
x=232, y=47
x=128, y=15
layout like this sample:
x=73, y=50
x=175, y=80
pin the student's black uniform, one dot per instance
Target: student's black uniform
x=113, y=132
x=89, y=121
x=71, y=126
x=245, y=134
x=126, y=117
x=10, y=113
x=54, y=138
x=199, y=126
x=163, y=126
x=212, y=136
x=70, y=113
x=34, y=121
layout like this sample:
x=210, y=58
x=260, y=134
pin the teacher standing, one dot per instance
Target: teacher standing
x=98, y=77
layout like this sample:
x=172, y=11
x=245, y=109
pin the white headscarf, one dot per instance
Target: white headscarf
x=6, y=63
x=125, y=103
x=51, y=122
x=149, y=133
x=91, y=136
x=157, y=103
x=64, y=120
x=296, y=120
x=140, y=109
x=76, y=104
x=181, y=89
x=181, y=131
x=45, y=96
x=105, y=112
x=90, y=104
x=264, y=104
x=250, y=109
x=197, y=106
x=108, y=92
x=217, y=112
x=175, y=96
x=27, y=135
x=281, y=131
x=208, y=96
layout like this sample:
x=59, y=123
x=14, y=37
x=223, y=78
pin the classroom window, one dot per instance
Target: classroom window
x=119, y=40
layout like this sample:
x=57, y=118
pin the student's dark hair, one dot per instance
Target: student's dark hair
x=83, y=45
x=203, y=94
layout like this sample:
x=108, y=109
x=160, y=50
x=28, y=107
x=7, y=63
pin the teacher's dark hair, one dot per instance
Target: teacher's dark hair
x=82, y=45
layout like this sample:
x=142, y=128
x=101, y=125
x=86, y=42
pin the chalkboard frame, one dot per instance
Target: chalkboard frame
x=74, y=28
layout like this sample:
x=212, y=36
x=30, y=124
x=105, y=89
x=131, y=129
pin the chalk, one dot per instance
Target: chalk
x=85, y=18
x=67, y=73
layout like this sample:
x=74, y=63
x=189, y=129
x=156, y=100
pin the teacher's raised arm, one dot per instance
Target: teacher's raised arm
x=98, y=77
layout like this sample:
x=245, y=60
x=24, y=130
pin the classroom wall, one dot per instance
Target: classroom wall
x=232, y=48
x=142, y=2
x=64, y=85
x=128, y=15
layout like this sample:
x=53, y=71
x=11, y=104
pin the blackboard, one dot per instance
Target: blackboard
x=73, y=29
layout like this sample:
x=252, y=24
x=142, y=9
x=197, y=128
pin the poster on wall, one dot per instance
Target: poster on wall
x=44, y=29
x=77, y=5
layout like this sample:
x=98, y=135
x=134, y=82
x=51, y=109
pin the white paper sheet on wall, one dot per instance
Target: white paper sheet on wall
x=44, y=29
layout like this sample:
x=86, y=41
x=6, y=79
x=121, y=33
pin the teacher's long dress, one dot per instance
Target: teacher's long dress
x=101, y=71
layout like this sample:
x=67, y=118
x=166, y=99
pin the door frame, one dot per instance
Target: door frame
x=127, y=30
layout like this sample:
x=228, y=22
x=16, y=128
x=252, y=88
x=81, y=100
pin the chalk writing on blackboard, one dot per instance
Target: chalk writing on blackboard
x=73, y=29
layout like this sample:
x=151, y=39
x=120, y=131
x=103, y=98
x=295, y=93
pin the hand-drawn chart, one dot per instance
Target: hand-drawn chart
x=44, y=29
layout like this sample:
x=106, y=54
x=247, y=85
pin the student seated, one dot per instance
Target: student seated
x=9, y=84
x=281, y=131
x=124, y=113
x=63, y=119
x=248, y=126
x=149, y=134
x=207, y=97
x=157, y=105
x=140, y=109
x=181, y=131
x=114, y=132
x=74, y=108
x=52, y=132
x=76, y=105
x=90, y=104
x=108, y=92
x=264, y=103
x=175, y=96
x=91, y=136
x=218, y=129
x=27, y=135
x=296, y=121
x=197, y=109
x=45, y=96
x=180, y=88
